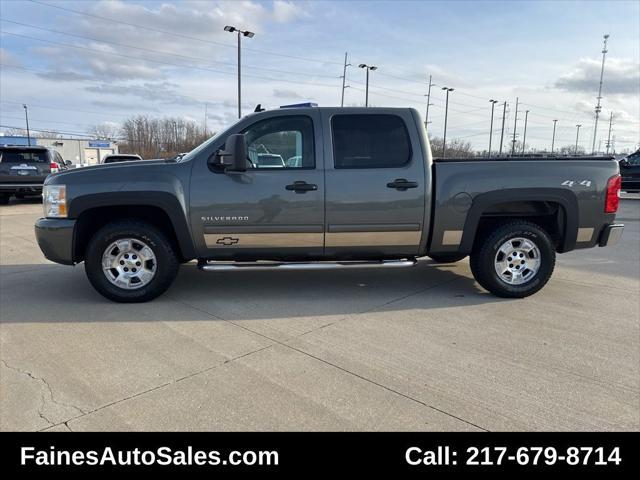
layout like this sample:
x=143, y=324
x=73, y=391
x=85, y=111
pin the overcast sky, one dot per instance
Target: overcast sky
x=81, y=63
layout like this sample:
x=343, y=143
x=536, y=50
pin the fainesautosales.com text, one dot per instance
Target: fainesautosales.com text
x=134, y=457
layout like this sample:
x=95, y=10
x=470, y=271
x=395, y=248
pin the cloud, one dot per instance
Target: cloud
x=124, y=106
x=282, y=93
x=158, y=92
x=621, y=77
x=8, y=59
x=284, y=12
x=124, y=51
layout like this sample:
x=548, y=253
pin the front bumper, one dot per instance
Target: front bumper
x=611, y=235
x=55, y=238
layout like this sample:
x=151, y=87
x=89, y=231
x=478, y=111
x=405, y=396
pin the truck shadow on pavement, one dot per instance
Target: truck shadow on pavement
x=49, y=293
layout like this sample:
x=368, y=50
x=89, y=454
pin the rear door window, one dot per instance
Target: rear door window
x=370, y=141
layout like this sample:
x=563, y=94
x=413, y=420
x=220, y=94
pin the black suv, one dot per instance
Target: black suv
x=23, y=170
x=630, y=171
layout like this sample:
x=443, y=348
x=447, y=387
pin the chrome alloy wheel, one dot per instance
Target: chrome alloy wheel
x=129, y=263
x=517, y=261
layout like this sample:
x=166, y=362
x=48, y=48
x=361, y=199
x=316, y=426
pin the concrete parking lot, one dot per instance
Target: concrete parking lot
x=417, y=349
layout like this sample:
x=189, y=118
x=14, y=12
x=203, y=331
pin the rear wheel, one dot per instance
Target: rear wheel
x=4, y=198
x=130, y=261
x=515, y=261
x=447, y=257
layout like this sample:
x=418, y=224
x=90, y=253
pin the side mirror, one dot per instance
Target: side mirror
x=233, y=157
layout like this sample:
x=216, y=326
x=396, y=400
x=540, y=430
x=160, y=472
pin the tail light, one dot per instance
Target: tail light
x=613, y=194
x=54, y=167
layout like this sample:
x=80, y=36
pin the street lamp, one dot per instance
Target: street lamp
x=446, y=111
x=577, y=133
x=553, y=138
x=367, y=68
x=493, y=104
x=26, y=117
x=241, y=33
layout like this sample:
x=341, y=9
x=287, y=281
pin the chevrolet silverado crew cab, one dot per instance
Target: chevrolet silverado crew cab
x=351, y=188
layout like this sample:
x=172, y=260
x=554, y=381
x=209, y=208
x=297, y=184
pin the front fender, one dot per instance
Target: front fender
x=173, y=206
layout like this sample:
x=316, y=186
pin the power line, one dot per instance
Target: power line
x=288, y=72
x=45, y=73
x=66, y=109
x=175, y=34
x=46, y=130
x=163, y=62
x=49, y=121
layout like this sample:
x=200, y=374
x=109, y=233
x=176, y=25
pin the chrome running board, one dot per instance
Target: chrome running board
x=260, y=266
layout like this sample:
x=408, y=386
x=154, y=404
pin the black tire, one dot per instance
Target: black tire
x=482, y=260
x=166, y=267
x=4, y=198
x=20, y=195
x=447, y=257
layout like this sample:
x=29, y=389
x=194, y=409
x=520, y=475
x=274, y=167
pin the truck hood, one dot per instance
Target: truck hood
x=108, y=169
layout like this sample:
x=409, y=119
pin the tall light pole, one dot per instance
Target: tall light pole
x=609, y=135
x=26, y=117
x=344, y=78
x=553, y=138
x=493, y=104
x=446, y=111
x=426, y=116
x=577, y=134
x=241, y=33
x=515, y=124
x=367, y=68
x=598, y=107
x=504, y=114
x=524, y=138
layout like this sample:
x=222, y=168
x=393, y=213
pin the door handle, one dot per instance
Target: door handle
x=301, y=186
x=402, y=184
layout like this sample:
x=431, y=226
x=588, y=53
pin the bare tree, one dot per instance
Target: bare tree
x=155, y=137
x=104, y=131
x=571, y=150
x=455, y=148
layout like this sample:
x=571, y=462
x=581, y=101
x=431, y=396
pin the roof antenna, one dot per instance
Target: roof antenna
x=259, y=108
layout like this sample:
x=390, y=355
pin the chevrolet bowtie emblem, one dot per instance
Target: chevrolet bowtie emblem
x=227, y=241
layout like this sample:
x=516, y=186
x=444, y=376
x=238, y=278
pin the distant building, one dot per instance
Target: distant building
x=78, y=151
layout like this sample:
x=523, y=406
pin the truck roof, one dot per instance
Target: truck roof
x=337, y=109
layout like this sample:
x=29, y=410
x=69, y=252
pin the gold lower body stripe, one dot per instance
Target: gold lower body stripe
x=301, y=240
x=372, y=239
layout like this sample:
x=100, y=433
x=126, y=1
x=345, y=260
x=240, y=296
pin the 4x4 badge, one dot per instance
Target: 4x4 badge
x=227, y=241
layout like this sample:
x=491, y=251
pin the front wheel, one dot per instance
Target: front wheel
x=515, y=261
x=130, y=261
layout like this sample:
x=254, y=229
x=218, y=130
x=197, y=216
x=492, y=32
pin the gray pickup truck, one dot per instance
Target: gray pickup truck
x=356, y=188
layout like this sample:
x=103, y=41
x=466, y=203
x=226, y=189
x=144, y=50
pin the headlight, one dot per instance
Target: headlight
x=54, y=201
